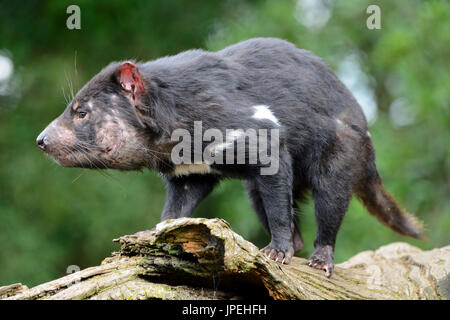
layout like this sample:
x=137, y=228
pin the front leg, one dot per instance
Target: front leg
x=184, y=194
x=276, y=194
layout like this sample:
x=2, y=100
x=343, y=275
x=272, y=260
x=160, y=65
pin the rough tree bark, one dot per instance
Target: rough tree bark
x=204, y=259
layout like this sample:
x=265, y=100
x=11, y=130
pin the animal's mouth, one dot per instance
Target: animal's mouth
x=75, y=157
x=66, y=158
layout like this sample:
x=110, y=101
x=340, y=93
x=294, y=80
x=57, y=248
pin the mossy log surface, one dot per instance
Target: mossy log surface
x=195, y=258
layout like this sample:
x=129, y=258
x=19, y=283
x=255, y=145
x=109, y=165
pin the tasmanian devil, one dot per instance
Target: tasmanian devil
x=304, y=120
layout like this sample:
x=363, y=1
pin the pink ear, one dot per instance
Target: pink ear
x=130, y=79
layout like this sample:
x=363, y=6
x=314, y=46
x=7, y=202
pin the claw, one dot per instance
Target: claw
x=322, y=259
x=328, y=270
x=273, y=254
x=279, y=256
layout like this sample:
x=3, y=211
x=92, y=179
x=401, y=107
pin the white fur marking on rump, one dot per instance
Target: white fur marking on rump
x=263, y=112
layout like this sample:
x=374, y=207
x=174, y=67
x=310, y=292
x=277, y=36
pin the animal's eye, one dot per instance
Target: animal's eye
x=82, y=114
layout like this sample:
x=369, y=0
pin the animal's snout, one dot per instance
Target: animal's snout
x=42, y=141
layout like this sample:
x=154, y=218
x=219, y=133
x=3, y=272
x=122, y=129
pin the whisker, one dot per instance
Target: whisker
x=102, y=172
x=77, y=160
x=75, y=67
x=82, y=173
x=69, y=81
x=64, y=94
x=154, y=153
x=93, y=165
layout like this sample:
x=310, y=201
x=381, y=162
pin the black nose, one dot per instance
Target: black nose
x=42, y=142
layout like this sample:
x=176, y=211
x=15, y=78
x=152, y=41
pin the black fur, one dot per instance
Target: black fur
x=324, y=142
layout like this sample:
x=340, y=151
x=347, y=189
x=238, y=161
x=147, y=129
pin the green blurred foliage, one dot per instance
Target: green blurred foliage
x=53, y=217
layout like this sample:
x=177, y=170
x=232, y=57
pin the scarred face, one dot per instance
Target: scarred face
x=102, y=127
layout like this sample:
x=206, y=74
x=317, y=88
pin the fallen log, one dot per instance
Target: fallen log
x=196, y=258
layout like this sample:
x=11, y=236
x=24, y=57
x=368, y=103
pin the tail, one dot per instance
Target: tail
x=384, y=207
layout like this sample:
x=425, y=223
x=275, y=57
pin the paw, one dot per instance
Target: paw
x=278, y=254
x=323, y=259
x=145, y=233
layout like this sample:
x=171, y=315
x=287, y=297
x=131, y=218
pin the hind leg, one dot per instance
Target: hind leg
x=331, y=199
x=298, y=193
